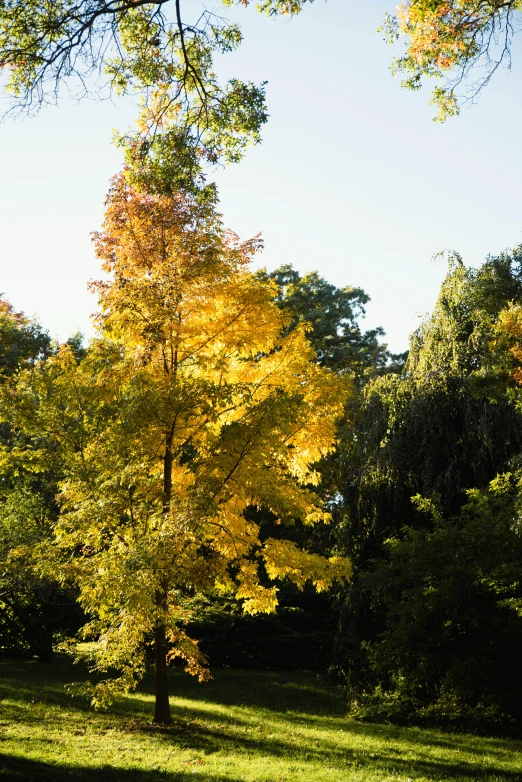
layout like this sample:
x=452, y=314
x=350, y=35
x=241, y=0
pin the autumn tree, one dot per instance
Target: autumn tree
x=189, y=409
x=460, y=43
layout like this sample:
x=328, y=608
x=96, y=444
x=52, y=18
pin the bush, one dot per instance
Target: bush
x=449, y=645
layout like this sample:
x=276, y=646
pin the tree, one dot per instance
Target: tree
x=460, y=43
x=143, y=46
x=23, y=341
x=447, y=422
x=188, y=410
x=35, y=612
x=332, y=314
x=444, y=427
x=449, y=645
x=33, y=609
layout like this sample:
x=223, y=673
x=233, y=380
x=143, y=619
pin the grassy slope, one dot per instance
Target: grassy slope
x=252, y=726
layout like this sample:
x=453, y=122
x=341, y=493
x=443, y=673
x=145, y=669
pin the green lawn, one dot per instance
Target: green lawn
x=253, y=726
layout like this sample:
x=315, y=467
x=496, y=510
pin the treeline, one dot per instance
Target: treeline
x=423, y=491
x=430, y=629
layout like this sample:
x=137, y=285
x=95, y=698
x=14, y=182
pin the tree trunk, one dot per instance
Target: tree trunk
x=44, y=647
x=162, y=714
x=41, y=642
x=38, y=637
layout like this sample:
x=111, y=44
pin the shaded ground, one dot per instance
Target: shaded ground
x=251, y=726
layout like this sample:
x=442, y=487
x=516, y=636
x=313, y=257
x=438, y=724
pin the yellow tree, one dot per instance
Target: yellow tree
x=189, y=409
x=508, y=345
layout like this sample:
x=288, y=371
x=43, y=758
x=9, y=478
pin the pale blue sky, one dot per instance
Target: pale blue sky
x=352, y=179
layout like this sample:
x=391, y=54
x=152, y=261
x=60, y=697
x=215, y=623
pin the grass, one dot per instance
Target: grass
x=251, y=726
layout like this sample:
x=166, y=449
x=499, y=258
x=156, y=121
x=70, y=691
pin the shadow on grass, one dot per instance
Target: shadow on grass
x=385, y=760
x=240, y=712
x=297, y=691
x=273, y=691
x=18, y=769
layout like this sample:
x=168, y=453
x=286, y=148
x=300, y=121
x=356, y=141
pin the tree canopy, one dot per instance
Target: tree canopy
x=23, y=341
x=333, y=315
x=430, y=483
x=161, y=50
x=460, y=43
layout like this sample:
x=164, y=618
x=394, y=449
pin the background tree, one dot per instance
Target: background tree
x=333, y=315
x=449, y=640
x=447, y=422
x=447, y=425
x=189, y=410
x=23, y=341
x=33, y=610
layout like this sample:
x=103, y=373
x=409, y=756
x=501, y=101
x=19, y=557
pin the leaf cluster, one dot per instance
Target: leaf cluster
x=146, y=48
x=461, y=43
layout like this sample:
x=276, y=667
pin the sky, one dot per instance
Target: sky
x=353, y=178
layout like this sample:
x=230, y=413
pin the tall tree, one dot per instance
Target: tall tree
x=446, y=423
x=188, y=410
x=444, y=427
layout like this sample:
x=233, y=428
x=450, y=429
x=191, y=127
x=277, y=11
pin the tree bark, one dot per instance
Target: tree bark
x=44, y=646
x=162, y=715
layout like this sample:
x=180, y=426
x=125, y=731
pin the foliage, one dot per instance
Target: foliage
x=188, y=409
x=449, y=649
x=332, y=314
x=300, y=634
x=256, y=726
x=22, y=342
x=444, y=427
x=448, y=422
x=144, y=47
x=461, y=43
x=33, y=610
x=297, y=637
